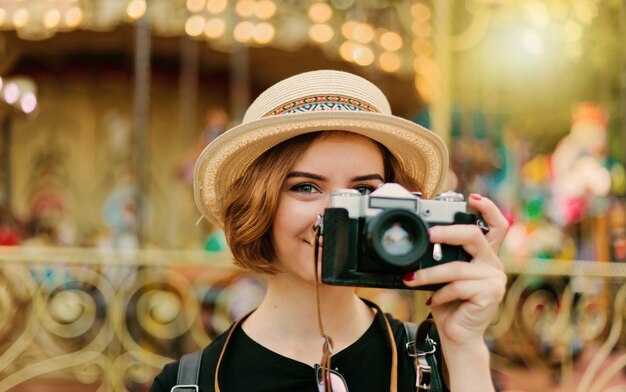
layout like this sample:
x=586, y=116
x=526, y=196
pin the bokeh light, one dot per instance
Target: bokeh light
x=391, y=41
x=421, y=30
x=363, y=33
x=216, y=6
x=245, y=8
x=420, y=12
x=264, y=9
x=195, y=25
x=136, y=9
x=28, y=103
x=11, y=93
x=346, y=50
x=321, y=33
x=347, y=29
x=21, y=17
x=214, y=28
x=263, y=33
x=243, y=31
x=363, y=55
x=389, y=62
x=74, y=16
x=320, y=12
x=52, y=18
x=195, y=6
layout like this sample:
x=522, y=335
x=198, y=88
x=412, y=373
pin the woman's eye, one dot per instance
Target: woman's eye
x=304, y=188
x=365, y=189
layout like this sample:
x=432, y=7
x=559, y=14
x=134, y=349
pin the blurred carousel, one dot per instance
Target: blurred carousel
x=104, y=277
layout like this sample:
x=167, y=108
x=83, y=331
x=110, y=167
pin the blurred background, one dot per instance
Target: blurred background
x=105, y=275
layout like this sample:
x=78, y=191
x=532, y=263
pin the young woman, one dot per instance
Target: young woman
x=267, y=180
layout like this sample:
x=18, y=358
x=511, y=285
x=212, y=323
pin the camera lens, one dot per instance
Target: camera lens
x=397, y=238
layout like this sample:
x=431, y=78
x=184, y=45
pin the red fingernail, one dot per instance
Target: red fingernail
x=476, y=196
x=408, y=276
x=429, y=301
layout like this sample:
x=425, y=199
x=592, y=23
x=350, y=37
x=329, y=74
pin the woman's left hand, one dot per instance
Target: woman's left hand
x=464, y=307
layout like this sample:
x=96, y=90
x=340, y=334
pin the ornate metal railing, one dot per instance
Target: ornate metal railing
x=109, y=320
x=561, y=327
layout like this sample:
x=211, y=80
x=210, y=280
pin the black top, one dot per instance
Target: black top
x=248, y=366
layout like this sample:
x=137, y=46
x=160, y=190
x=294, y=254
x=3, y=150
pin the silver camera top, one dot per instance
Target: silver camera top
x=391, y=195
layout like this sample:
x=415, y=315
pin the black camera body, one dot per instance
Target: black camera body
x=373, y=240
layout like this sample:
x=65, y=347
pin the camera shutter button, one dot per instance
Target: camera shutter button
x=437, y=253
x=450, y=196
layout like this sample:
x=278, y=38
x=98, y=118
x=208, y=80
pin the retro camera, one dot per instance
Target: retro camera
x=373, y=240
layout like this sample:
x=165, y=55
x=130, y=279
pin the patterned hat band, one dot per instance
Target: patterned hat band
x=318, y=103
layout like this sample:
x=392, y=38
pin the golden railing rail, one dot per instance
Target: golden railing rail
x=108, y=320
x=144, y=257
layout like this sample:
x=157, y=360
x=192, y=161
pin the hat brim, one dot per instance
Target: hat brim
x=422, y=154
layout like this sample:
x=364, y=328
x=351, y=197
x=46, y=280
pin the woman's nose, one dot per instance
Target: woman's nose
x=328, y=200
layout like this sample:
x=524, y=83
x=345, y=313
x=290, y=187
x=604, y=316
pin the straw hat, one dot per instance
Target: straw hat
x=309, y=102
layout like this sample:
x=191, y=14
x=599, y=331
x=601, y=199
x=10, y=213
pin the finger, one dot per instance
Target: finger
x=481, y=292
x=450, y=272
x=498, y=224
x=470, y=237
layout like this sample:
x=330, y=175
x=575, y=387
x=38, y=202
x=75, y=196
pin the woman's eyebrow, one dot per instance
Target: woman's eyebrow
x=369, y=177
x=318, y=177
x=307, y=175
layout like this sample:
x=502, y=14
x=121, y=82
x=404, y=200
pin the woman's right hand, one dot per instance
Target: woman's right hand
x=466, y=304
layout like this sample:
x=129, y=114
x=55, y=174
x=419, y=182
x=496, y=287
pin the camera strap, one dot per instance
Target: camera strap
x=327, y=347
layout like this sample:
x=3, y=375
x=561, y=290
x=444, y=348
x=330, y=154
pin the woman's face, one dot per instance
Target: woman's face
x=334, y=161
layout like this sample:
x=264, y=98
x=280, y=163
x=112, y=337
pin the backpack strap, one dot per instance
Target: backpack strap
x=410, y=329
x=422, y=343
x=188, y=373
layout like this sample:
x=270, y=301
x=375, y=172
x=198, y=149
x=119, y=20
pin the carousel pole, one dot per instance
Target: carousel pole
x=188, y=123
x=7, y=217
x=441, y=122
x=622, y=79
x=188, y=88
x=141, y=107
x=239, y=81
x=239, y=77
